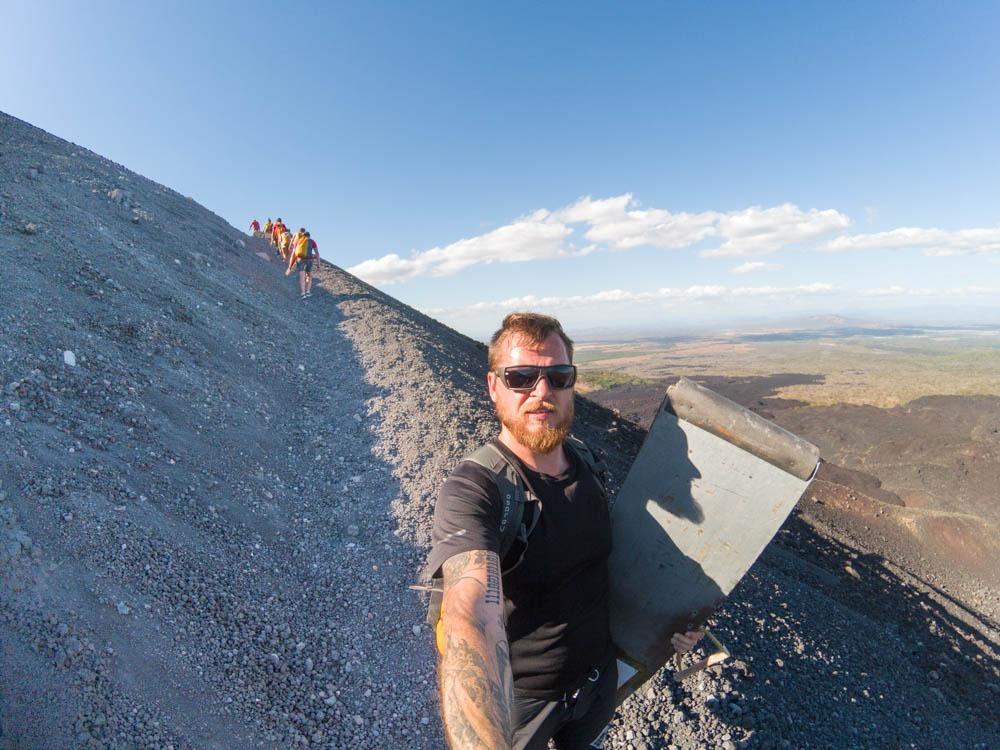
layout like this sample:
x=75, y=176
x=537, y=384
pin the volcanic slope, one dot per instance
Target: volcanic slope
x=214, y=496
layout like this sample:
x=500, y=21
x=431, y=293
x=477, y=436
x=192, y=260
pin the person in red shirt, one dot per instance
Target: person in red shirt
x=255, y=228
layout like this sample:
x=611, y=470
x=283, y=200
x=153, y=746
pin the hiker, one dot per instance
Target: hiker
x=303, y=256
x=277, y=244
x=284, y=244
x=524, y=633
x=267, y=227
x=255, y=228
x=276, y=230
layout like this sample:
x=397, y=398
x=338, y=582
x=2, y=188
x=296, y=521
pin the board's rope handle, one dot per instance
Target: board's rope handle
x=717, y=657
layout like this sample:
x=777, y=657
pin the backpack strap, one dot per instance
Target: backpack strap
x=596, y=465
x=514, y=493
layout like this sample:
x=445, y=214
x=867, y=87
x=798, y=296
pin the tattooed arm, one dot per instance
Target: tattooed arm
x=477, y=692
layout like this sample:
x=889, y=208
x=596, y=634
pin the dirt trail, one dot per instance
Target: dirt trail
x=208, y=522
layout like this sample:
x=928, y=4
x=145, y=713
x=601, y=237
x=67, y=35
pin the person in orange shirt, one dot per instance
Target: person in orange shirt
x=276, y=231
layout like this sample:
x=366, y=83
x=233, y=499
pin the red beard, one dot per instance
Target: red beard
x=542, y=439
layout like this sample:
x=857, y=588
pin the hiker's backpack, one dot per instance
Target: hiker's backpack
x=517, y=518
x=302, y=248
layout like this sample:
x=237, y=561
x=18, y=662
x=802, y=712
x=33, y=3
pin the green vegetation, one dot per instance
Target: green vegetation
x=592, y=355
x=596, y=380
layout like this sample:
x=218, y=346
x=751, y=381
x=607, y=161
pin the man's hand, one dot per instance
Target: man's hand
x=477, y=693
x=684, y=642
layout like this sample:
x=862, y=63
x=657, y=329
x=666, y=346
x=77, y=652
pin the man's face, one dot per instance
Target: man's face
x=539, y=419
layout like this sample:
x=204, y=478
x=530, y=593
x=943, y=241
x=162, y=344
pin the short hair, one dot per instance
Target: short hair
x=307, y=234
x=534, y=327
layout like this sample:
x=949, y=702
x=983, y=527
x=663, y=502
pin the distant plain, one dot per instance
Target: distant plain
x=876, y=366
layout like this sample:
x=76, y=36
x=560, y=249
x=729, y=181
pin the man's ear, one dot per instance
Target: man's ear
x=491, y=386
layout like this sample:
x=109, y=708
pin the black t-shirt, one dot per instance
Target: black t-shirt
x=556, y=594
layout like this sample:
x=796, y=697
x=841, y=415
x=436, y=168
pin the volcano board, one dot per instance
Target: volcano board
x=711, y=486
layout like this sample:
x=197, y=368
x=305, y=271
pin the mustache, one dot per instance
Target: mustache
x=531, y=407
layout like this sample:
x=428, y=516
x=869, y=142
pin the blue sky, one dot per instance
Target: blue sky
x=649, y=166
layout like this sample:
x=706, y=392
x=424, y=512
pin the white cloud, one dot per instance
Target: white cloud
x=532, y=237
x=755, y=266
x=621, y=224
x=389, y=268
x=702, y=292
x=611, y=223
x=931, y=241
x=758, y=231
x=949, y=293
x=886, y=291
x=616, y=223
x=783, y=291
x=713, y=297
x=695, y=293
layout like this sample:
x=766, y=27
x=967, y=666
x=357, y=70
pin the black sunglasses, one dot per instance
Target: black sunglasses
x=525, y=377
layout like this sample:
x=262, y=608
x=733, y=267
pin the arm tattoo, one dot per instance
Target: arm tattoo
x=507, y=676
x=476, y=680
x=492, y=580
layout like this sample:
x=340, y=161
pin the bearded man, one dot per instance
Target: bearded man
x=526, y=651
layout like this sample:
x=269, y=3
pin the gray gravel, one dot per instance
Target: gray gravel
x=211, y=509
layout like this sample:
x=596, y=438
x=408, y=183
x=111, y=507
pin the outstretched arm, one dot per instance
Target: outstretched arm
x=477, y=693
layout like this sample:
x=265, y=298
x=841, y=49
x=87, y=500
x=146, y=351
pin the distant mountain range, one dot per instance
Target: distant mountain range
x=784, y=329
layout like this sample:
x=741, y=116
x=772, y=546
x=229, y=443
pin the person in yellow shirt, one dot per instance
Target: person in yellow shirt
x=304, y=256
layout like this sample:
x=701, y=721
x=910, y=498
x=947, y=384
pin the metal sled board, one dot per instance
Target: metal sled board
x=712, y=484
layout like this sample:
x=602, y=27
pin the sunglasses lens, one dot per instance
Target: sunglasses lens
x=525, y=378
x=562, y=376
x=518, y=378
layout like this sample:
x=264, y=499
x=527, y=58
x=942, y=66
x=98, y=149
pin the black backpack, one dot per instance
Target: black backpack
x=515, y=492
